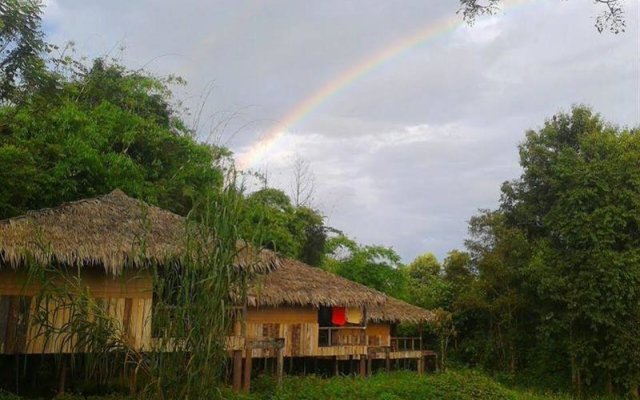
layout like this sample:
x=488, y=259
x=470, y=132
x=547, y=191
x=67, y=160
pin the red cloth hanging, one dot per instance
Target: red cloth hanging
x=338, y=316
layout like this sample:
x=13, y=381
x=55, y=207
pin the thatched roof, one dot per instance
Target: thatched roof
x=296, y=283
x=110, y=231
x=395, y=311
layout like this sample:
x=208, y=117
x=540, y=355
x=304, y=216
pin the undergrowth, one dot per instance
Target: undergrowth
x=405, y=385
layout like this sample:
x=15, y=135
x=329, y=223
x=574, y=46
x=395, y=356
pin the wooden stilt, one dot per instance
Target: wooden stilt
x=387, y=360
x=280, y=365
x=63, y=375
x=247, y=371
x=133, y=381
x=370, y=365
x=363, y=365
x=237, y=371
x=336, y=367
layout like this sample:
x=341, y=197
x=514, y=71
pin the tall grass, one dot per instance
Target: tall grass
x=194, y=311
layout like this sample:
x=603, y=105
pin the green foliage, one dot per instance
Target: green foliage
x=105, y=128
x=275, y=223
x=21, y=47
x=552, y=286
x=398, y=385
x=193, y=307
x=425, y=284
x=374, y=266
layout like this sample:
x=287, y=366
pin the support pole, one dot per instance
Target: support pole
x=370, y=364
x=336, y=367
x=280, y=365
x=363, y=365
x=247, y=371
x=387, y=360
x=237, y=370
x=63, y=374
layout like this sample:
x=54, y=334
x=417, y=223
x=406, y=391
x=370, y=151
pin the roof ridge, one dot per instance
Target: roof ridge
x=115, y=193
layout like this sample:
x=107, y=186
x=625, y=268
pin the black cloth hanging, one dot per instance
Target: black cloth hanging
x=324, y=316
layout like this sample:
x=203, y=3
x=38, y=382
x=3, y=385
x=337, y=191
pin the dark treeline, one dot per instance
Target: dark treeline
x=546, y=291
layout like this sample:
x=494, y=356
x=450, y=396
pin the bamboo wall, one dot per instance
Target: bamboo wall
x=126, y=301
x=378, y=334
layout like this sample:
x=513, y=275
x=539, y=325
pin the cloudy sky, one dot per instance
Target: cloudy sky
x=404, y=149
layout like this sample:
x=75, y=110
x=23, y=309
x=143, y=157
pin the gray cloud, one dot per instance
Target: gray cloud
x=407, y=152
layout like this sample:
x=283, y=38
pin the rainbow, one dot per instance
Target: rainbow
x=347, y=78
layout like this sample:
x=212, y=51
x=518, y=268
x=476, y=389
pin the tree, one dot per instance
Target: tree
x=457, y=269
x=425, y=284
x=103, y=128
x=555, y=270
x=21, y=47
x=375, y=266
x=612, y=16
x=273, y=222
x=577, y=200
x=303, y=183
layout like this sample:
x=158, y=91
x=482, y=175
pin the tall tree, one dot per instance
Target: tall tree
x=577, y=200
x=103, y=128
x=21, y=48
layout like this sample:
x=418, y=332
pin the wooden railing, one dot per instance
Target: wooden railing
x=342, y=336
x=406, y=343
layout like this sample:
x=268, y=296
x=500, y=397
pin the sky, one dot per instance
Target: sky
x=408, y=117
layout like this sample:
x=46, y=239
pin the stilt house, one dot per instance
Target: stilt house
x=308, y=312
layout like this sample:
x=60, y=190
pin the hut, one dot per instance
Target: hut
x=291, y=309
x=109, y=241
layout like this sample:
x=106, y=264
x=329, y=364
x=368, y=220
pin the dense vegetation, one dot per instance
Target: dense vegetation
x=400, y=385
x=545, y=293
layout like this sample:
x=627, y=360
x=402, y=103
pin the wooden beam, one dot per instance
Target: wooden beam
x=237, y=371
x=247, y=371
x=336, y=367
x=363, y=365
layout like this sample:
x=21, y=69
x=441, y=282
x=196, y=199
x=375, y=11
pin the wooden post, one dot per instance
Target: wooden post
x=387, y=360
x=363, y=365
x=247, y=371
x=63, y=374
x=336, y=367
x=370, y=364
x=420, y=365
x=280, y=365
x=237, y=370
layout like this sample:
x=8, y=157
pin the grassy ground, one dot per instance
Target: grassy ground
x=393, y=386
